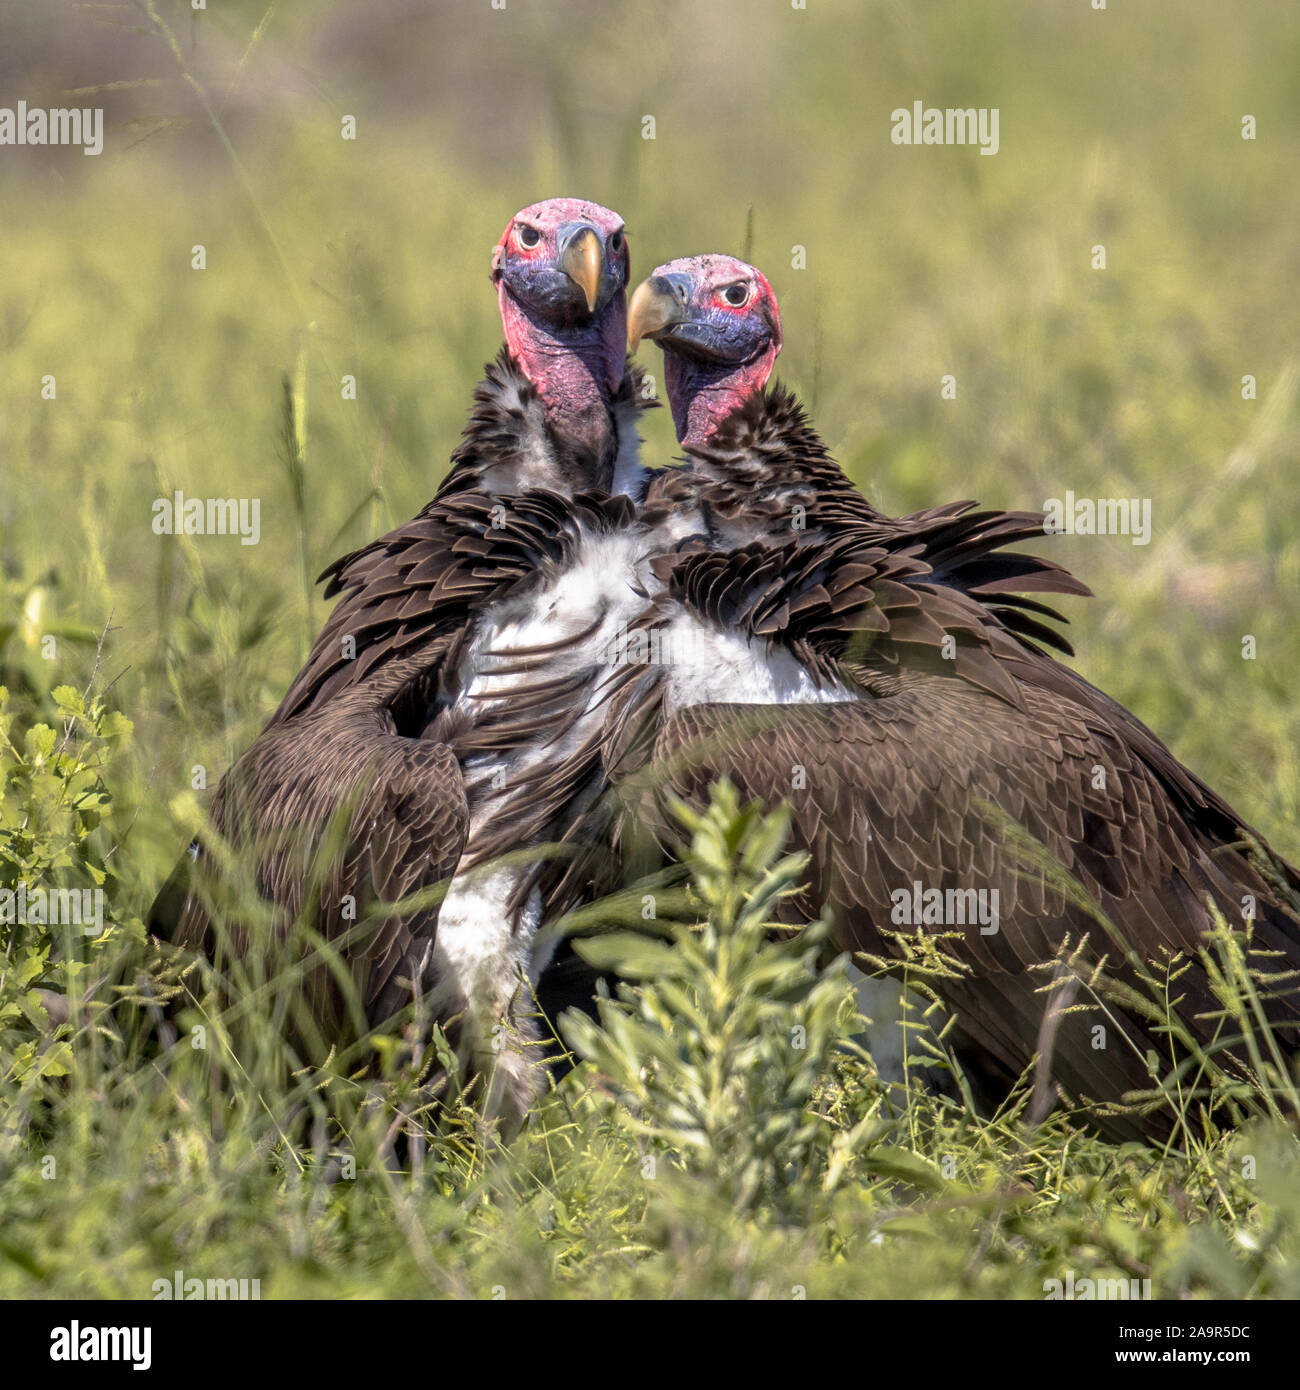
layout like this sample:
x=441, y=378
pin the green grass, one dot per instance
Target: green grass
x=370, y=258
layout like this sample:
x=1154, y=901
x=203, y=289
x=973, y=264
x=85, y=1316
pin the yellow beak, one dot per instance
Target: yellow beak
x=653, y=308
x=583, y=261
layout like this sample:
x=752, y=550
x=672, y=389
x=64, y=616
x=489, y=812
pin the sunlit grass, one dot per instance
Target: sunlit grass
x=327, y=258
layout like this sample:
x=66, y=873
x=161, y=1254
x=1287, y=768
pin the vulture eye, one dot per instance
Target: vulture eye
x=529, y=236
x=736, y=295
x=616, y=241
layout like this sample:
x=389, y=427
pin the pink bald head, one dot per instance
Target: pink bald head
x=719, y=325
x=561, y=271
x=548, y=217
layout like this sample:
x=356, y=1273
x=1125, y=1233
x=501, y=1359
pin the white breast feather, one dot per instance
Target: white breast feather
x=709, y=667
x=478, y=950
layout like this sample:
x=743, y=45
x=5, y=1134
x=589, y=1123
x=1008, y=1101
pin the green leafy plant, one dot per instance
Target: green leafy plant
x=55, y=856
x=720, y=1048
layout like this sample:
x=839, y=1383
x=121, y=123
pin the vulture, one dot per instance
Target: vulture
x=514, y=686
x=389, y=769
x=893, y=681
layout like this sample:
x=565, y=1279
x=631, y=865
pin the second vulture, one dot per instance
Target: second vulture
x=889, y=679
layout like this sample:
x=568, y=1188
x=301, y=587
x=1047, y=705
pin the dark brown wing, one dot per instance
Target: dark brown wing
x=942, y=785
x=332, y=816
x=408, y=596
x=404, y=598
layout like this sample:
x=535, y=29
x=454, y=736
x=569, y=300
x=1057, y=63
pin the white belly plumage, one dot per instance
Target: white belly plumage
x=485, y=952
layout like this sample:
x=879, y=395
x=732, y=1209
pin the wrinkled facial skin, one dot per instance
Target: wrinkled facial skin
x=719, y=325
x=563, y=261
x=561, y=269
x=710, y=309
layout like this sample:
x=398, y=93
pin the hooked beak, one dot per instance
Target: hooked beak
x=582, y=259
x=657, y=304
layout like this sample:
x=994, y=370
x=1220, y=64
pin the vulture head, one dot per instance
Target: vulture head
x=719, y=326
x=561, y=272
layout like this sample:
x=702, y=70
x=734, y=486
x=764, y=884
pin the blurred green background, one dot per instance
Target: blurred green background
x=370, y=257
